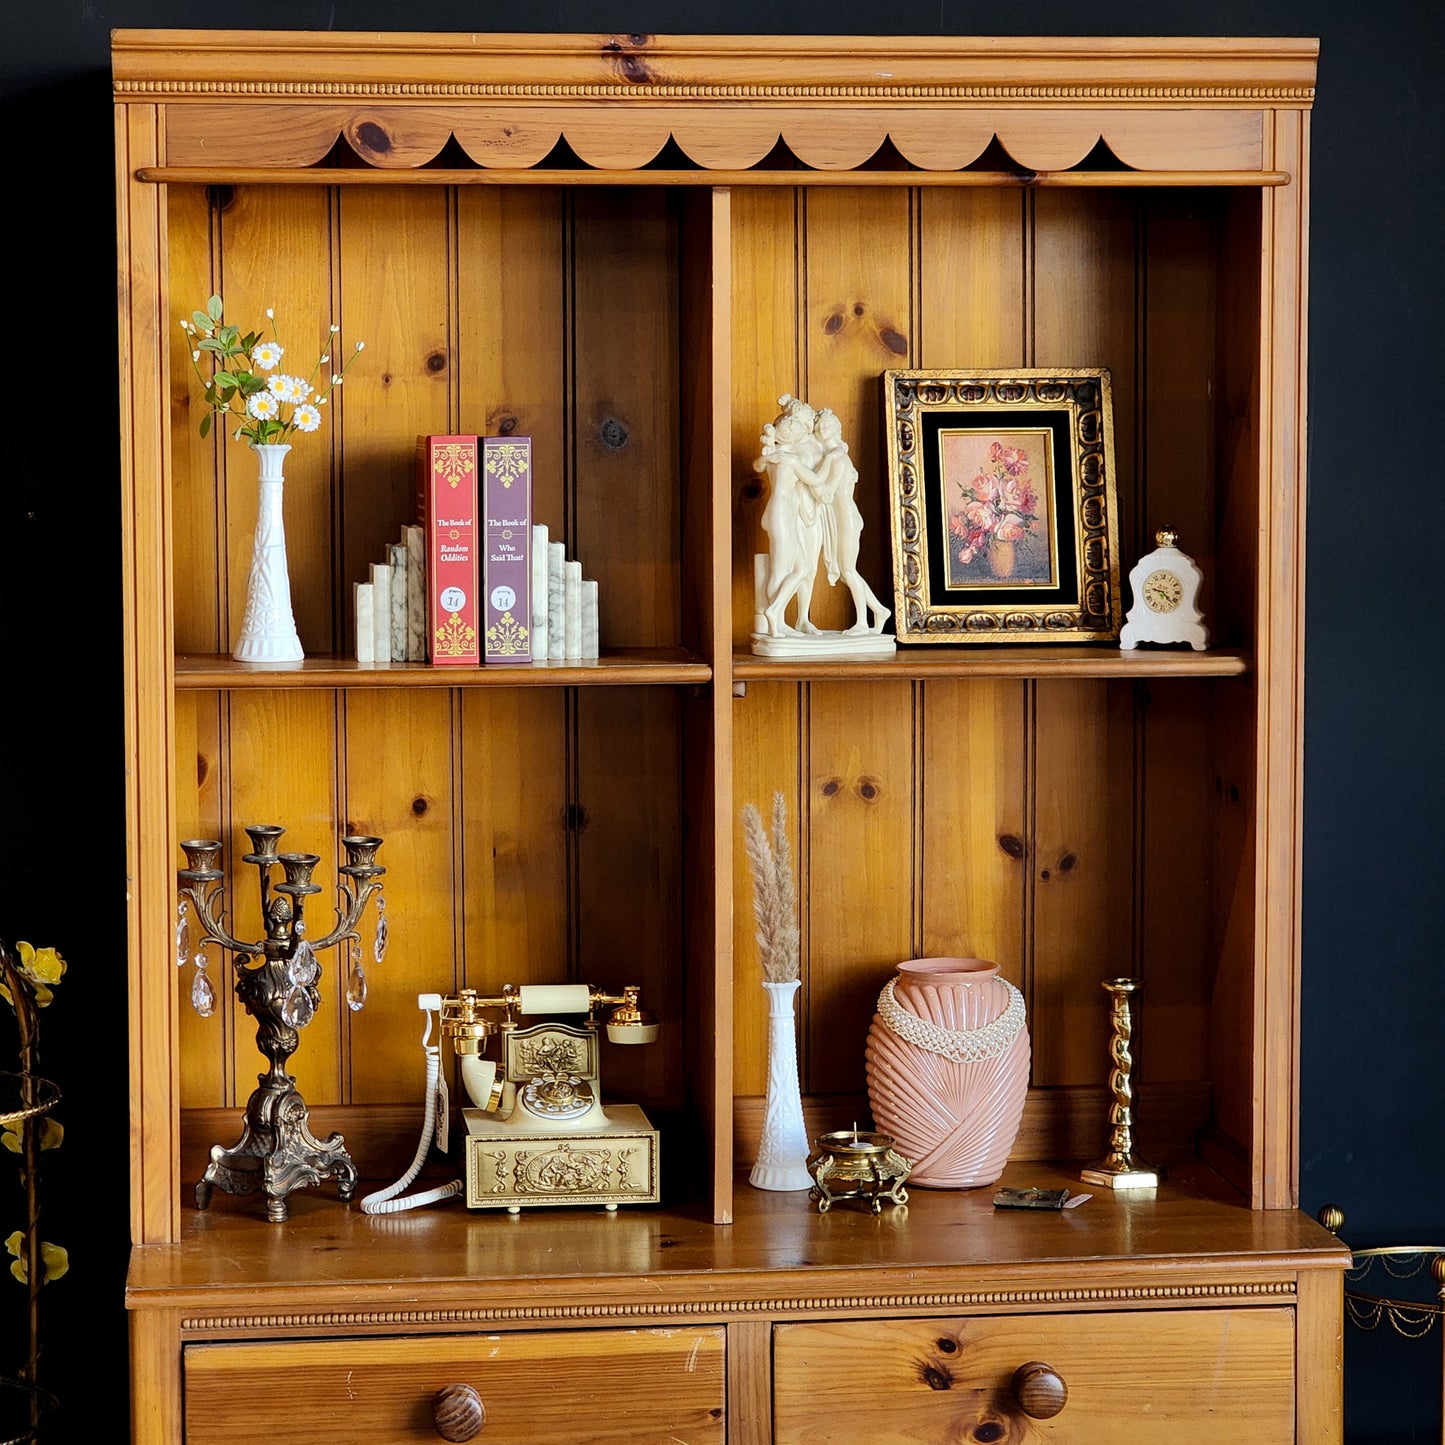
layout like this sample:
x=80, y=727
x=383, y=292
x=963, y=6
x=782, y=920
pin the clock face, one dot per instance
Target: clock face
x=1162, y=591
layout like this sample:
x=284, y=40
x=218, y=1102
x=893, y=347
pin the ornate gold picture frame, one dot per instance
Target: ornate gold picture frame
x=1001, y=497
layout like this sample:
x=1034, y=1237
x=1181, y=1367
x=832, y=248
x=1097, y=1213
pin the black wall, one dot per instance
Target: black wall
x=1373, y=1050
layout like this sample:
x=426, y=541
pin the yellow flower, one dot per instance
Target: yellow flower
x=54, y=1259
x=40, y=967
x=43, y=965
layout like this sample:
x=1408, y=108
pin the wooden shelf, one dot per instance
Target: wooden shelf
x=674, y=1260
x=646, y=667
x=541, y=176
x=996, y=661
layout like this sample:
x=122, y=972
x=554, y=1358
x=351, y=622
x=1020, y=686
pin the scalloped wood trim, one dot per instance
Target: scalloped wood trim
x=404, y=137
x=1271, y=1290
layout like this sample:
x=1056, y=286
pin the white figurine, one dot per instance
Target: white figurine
x=811, y=513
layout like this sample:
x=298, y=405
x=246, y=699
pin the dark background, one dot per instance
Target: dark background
x=1372, y=1063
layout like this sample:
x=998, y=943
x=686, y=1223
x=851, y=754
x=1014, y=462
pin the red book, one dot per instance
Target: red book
x=507, y=569
x=448, y=500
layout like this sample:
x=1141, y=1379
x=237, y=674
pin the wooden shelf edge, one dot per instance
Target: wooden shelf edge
x=422, y=175
x=656, y=667
x=997, y=660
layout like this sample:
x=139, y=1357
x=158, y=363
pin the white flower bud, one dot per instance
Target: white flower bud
x=361, y=346
x=195, y=356
x=270, y=314
x=323, y=361
x=334, y=328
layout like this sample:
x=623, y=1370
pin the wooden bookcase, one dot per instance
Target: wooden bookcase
x=627, y=247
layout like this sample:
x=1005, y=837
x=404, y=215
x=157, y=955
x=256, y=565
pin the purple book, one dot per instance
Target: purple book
x=507, y=561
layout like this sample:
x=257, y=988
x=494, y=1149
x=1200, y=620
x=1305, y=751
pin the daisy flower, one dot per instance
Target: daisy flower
x=306, y=418
x=288, y=388
x=263, y=406
x=267, y=355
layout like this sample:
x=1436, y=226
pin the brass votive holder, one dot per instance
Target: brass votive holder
x=854, y=1164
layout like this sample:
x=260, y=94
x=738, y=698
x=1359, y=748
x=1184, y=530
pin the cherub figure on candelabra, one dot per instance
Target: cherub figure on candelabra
x=811, y=513
x=276, y=979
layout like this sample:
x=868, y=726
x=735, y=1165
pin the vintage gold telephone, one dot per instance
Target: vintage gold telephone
x=538, y=1132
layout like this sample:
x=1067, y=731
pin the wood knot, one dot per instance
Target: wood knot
x=831, y=787
x=1011, y=844
x=574, y=817
x=436, y=361
x=936, y=1378
x=505, y=425
x=868, y=789
x=895, y=341
x=989, y=1431
x=1068, y=862
x=626, y=63
x=612, y=434
x=419, y=806
x=833, y=324
x=752, y=491
x=374, y=137
x=949, y=1347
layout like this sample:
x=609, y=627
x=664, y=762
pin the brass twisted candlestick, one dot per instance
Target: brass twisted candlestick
x=1121, y=1167
x=276, y=979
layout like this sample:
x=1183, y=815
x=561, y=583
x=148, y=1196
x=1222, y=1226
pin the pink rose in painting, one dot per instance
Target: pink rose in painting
x=981, y=516
x=1016, y=494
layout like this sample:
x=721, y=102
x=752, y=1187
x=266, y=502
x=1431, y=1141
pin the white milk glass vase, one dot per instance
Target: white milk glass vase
x=268, y=630
x=783, y=1152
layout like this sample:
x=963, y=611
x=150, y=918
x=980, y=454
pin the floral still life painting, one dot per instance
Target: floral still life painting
x=998, y=490
x=1002, y=504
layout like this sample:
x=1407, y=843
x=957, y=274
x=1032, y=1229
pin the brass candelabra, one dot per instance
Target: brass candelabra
x=276, y=979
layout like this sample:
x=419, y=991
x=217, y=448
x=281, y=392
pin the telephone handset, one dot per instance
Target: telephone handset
x=538, y=1132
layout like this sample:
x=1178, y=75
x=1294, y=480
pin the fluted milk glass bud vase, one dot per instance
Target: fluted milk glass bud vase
x=783, y=1151
x=268, y=630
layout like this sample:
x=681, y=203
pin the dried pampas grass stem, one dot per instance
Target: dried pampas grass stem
x=775, y=898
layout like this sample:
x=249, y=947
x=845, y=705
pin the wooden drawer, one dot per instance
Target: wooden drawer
x=561, y=1388
x=1185, y=1377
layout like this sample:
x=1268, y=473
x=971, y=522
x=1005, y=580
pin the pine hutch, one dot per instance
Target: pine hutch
x=626, y=247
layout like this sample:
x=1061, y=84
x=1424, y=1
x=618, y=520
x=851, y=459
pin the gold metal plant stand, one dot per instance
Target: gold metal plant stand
x=25, y=1099
x=1411, y=1318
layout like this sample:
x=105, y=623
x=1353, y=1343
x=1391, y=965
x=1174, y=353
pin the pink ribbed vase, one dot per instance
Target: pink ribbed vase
x=955, y=1122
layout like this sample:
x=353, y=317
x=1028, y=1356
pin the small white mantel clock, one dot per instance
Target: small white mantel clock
x=1166, y=585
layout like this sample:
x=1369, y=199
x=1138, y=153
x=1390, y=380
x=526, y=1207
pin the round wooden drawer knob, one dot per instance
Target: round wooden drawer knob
x=458, y=1413
x=1040, y=1390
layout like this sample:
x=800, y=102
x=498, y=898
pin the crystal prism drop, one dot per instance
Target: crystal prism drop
x=203, y=996
x=302, y=969
x=356, y=990
x=378, y=947
x=183, y=934
x=297, y=1009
